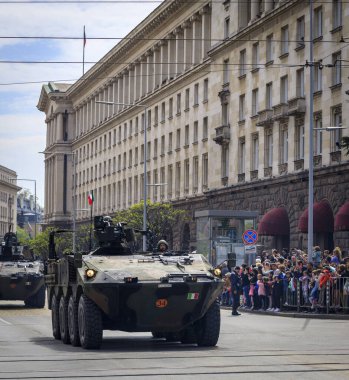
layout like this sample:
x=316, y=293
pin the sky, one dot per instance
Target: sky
x=22, y=125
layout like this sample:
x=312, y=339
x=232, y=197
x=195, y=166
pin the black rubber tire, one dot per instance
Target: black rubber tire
x=37, y=299
x=55, y=318
x=90, y=323
x=73, y=327
x=208, y=327
x=63, y=320
x=189, y=336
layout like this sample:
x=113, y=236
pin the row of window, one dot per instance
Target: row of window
x=136, y=155
x=284, y=89
x=284, y=44
x=133, y=126
x=176, y=180
x=299, y=142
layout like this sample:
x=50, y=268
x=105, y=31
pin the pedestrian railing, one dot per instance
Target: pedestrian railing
x=333, y=296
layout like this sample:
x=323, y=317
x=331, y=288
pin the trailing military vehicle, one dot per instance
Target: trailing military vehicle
x=171, y=295
x=20, y=279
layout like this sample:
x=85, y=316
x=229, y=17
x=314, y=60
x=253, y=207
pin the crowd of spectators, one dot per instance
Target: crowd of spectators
x=289, y=279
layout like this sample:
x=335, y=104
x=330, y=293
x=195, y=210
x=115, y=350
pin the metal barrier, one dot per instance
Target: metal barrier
x=331, y=297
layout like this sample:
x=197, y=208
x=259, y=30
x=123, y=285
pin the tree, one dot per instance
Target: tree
x=161, y=218
x=23, y=236
x=345, y=144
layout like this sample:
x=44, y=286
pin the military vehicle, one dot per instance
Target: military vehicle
x=20, y=279
x=173, y=296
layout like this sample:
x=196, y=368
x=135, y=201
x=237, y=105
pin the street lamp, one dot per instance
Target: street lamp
x=30, y=180
x=145, y=163
x=74, y=191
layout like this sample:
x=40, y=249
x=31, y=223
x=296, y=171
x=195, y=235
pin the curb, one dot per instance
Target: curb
x=293, y=314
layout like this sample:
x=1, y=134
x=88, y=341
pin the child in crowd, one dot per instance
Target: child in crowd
x=261, y=292
x=305, y=286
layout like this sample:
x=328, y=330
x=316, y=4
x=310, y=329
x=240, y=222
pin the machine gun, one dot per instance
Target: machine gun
x=112, y=237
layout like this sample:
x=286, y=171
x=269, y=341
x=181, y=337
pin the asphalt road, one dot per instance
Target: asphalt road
x=250, y=347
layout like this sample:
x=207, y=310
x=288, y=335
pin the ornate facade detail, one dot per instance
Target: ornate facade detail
x=317, y=161
x=283, y=168
x=222, y=135
x=336, y=156
x=253, y=175
x=280, y=111
x=299, y=164
x=265, y=117
x=268, y=172
x=296, y=106
x=224, y=95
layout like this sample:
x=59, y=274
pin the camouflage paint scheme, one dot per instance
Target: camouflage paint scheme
x=20, y=280
x=135, y=306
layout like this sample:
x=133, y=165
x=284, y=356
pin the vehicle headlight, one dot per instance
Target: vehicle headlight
x=90, y=273
x=217, y=272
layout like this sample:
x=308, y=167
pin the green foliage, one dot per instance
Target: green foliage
x=345, y=144
x=23, y=236
x=161, y=217
x=63, y=241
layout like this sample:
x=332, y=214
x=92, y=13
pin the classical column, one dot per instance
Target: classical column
x=254, y=9
x=171, y=56
x=268, y=5
x=115, y=96
x=188, y=43
x=197, y=40
x=206, y=30
x=137, y=80
x=125, y=80
x=143, y=76
x=179, y=51
x=164, y=61
x=156, y=60
x=59, y=136
x=150, y=71
x=120, y=92
x=131, y=79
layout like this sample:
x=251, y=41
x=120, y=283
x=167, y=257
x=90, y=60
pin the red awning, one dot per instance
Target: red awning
x=323, y=218
x=341, y=222
x=274, y=222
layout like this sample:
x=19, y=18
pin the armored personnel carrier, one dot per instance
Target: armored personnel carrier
x=20, y=279
x=173, y=296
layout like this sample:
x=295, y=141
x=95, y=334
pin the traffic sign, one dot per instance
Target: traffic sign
x=250, y=237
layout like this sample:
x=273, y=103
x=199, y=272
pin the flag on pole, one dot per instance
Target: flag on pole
x=90, y=198
x=84, y=37
x=83, y=53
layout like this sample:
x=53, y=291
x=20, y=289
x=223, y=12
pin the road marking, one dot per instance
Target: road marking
x=6, y=323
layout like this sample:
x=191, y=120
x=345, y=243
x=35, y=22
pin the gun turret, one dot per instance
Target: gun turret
x=9, y=246
x=112, y=237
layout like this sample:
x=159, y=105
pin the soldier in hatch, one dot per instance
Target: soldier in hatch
x=162, y=246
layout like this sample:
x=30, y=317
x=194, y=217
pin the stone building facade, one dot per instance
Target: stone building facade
x=8, y=199
x=222, y=90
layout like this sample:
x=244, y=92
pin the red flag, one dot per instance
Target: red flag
x=90, y=198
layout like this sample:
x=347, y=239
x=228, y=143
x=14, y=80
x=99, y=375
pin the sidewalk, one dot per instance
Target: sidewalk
x=293, y=314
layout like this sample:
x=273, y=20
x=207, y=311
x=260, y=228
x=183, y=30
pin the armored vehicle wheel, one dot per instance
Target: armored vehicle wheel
x=188, y=336
x=207, y=328
x=38, y=299
x=73, y=322
x=55, y=317
x=90, y=323
x=63, y=320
